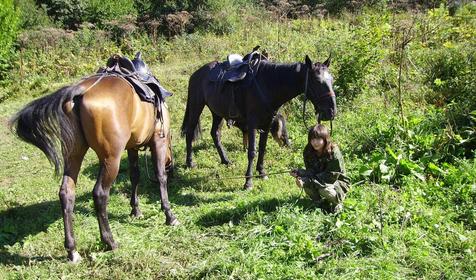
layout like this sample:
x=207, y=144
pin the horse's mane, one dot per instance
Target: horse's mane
x=277, y=73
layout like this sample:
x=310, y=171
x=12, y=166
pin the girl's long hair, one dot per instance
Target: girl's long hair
x=320, y=131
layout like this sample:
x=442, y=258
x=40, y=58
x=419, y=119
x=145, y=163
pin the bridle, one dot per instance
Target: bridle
x=318, y=99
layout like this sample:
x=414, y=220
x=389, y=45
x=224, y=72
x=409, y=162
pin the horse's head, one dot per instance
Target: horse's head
x=319, y=89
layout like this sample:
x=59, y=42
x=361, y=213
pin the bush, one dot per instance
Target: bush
x=72, y=13
x=69, y=13
x=219, y=17
x=360, y=57
x=164, y=7
x=448, y=60
x=100, y=11
x=177, y=23
x=32, y=15
x=9, y=26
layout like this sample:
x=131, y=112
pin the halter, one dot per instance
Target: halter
x=319, y=98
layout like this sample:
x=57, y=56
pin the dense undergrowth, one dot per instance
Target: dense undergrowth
x=406, y=125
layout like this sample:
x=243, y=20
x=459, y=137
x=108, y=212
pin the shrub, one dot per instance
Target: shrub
x=219, y=17
x=448, y=60
x=32, y=15
x=359, y=56
x=177, y=23
x=9, y=26
x=44, y=39
x=100, y=11
x=71, y=13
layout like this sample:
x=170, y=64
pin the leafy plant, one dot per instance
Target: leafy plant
x=9, y=26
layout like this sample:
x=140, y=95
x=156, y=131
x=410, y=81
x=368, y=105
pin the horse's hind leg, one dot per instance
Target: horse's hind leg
x=251, y=155
x=216, y=135
x=158, y=146
x=107, y=174
x=263, y=138
x=191, y=132
x=67, y=199
x=133, y=157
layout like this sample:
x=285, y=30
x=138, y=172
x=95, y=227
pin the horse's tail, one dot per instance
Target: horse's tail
x=191, y=120
x=45, y=124
x=279, y=131
x=287, y=143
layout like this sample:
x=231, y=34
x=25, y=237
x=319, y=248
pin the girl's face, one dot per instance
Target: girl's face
x=317, y=144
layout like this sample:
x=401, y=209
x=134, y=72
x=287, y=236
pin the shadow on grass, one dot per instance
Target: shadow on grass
x=18, y=223
x=14, y=259
x=218, y=217
x=150, y=189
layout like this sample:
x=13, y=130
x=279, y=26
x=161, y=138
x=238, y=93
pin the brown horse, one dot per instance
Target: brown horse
x=104, y=114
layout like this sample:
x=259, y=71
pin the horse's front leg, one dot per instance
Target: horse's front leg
x=263, y=139
x=134, y=174
x=251, y=155
x=159, y=148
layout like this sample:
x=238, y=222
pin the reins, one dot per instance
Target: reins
x=305, y=100
x=212, y=176
x=96, y=82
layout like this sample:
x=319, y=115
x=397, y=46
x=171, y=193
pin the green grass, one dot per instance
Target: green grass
x=271, y=232
x=408, y=230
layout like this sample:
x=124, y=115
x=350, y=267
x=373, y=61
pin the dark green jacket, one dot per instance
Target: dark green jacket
x=322, y=171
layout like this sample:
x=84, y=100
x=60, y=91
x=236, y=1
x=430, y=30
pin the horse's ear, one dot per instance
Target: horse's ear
x=138, y=55
x=308, y=62
x=327, y=63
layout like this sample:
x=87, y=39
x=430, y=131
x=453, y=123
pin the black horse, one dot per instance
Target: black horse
x=254, y=101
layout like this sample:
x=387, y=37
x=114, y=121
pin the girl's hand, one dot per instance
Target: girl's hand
x=294, y=173
x=299, y=182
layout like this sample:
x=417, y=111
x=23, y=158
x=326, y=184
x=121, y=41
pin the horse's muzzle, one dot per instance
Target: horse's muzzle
x=328, y=110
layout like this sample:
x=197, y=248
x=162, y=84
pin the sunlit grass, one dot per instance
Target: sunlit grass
x=272, y=232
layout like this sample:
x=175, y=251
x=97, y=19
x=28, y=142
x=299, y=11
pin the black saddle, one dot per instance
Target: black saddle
x=137, y=73
x=235, y=68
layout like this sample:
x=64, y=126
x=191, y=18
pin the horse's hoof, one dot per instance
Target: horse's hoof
x=74, y=257
x=173, y=222
x=111, y=246
x=248, y=186
x=191, y=164
x=136, y=213
x=114, y=246
x=262, y=175
x=226, y=162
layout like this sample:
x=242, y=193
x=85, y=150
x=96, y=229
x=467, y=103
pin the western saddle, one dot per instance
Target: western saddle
x=235, y=68
x=137, y=73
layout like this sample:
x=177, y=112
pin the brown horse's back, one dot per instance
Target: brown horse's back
x=113, y=117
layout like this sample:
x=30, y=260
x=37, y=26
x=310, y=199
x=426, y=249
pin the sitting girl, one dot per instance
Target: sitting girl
x=324, y=179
